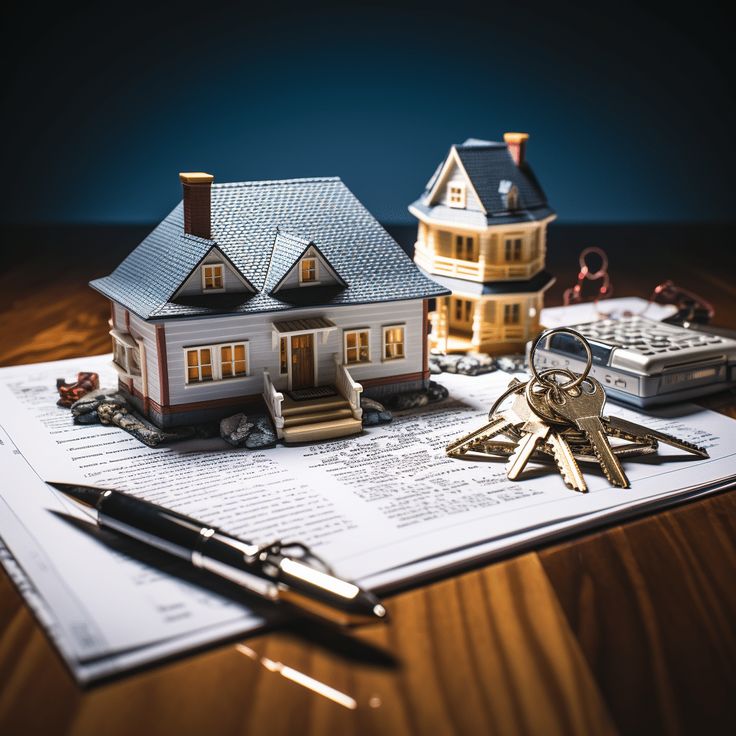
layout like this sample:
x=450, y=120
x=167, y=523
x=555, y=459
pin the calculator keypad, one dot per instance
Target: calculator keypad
x=645, y=336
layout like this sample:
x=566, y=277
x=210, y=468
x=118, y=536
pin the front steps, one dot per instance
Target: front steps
x=318, y=419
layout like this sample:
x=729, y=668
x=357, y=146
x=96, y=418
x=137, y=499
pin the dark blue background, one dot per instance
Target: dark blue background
x=630, y=108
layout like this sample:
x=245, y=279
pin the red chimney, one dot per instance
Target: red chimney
x=516, y=143
x=197, y=217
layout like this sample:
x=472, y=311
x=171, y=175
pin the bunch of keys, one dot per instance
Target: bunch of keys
x=563, y=422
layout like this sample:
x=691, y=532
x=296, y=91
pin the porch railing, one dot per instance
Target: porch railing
x=273, y=399
x=348, y=387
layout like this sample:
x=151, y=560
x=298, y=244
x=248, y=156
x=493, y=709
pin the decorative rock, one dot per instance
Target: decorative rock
x=84, y=410
x=434, y=365
x=368, y=404
x=436, y=392
x=511, y=363
x=140, y=428
x=472, y=364
x=262, y=435
x=374, y=412
x=111, y=407
x=415, y=399
x=235, y=429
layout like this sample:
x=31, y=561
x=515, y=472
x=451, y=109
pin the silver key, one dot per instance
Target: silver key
x=615, y=425
x=584, y=411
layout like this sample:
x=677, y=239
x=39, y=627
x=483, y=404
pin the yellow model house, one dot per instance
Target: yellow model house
x=483, y=234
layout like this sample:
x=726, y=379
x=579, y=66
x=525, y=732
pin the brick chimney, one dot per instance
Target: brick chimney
x=197, y=219
x=516, y=143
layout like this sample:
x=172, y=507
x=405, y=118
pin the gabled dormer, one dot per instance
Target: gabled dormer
x=214, y=274
x=297, y=263
x=452, y=186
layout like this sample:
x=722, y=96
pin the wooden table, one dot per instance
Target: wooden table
x=627, y=630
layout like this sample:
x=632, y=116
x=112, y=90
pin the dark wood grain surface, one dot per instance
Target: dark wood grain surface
x=626, y=630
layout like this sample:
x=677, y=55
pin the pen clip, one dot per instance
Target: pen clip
x=277, y=547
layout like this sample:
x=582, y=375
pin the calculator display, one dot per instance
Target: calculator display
x=569, y=345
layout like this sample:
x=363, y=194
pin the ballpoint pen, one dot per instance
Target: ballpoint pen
x=263, y=570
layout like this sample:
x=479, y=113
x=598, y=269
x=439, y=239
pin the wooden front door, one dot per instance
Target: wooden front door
x=302, y=361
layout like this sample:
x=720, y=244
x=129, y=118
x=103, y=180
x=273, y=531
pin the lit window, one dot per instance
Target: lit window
x=512, y=249
x=511, y=314
x=283, y=357
x=393, y=342
x=213, y=277
x=233, y=360
x=308, y=270
x=456, y=195
x=199, y=365
x=217, y=362
x=357, y=348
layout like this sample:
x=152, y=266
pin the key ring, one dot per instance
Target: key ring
x=572, y=383
x=550, y=418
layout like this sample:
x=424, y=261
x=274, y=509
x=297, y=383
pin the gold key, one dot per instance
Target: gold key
x=585, y=411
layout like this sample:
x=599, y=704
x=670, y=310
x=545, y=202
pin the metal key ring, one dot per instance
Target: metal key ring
x=552, y=419
x=573, y=382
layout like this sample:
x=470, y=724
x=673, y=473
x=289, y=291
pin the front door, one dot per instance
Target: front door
x=302, y=361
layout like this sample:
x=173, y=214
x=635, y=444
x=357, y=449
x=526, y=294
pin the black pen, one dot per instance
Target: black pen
x=265, y=571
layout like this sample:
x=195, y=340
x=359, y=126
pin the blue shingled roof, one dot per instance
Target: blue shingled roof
x=488, y=164
x=269, y=223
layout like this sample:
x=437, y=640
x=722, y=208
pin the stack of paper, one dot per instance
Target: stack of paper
x=384, y=508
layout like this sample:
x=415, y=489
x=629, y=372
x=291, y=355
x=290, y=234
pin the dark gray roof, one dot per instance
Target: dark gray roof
x=262, y=223
x=488, y=164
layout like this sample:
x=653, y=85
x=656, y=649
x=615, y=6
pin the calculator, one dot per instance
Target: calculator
x=643, y=362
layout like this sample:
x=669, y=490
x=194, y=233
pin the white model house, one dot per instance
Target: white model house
x=287, y=292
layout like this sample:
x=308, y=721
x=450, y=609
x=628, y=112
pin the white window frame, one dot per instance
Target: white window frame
x=216, y=359
x=385, y=329
x=456, y=201
x=316, y=271
x=213, y=264
x=356, y=331
x=125, y=341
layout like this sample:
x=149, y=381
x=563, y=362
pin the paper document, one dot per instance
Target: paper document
x=576, y=314
x=383, y=507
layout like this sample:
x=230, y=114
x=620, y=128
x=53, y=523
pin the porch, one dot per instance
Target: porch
x=319, y=399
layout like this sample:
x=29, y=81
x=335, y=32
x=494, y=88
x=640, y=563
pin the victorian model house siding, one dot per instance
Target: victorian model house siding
x=287, y=293
x=483, y=234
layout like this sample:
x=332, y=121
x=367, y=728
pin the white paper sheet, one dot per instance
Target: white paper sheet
x=576, y=314
x=382, y=507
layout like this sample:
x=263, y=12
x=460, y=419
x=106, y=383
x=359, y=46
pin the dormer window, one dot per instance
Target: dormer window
x=456, y=195
x=213, y=277
x=509, y=194
x=308, y=271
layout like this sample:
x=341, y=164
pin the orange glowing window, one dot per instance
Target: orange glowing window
x=233, y=360
x=393, y=342
x=308, y=270
x=199, y=365
x=357, y=347
x=213, y=277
